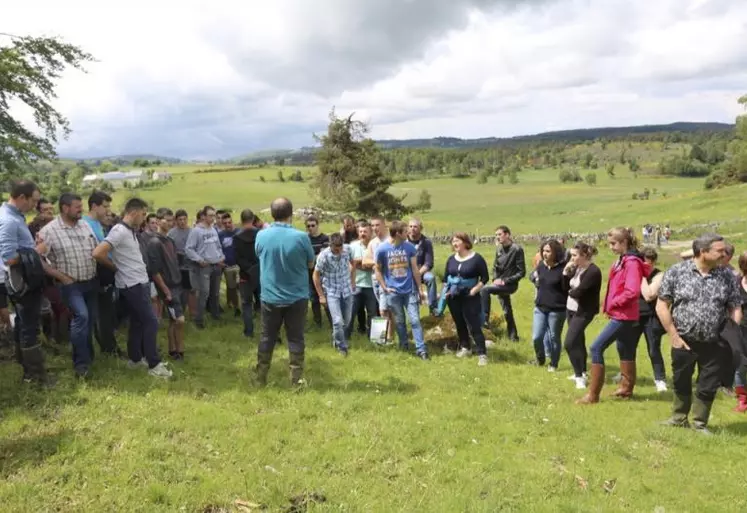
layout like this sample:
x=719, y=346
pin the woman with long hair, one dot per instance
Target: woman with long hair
x=621, y=306
x=583, y=282
x=549, y=304
x=466, y=273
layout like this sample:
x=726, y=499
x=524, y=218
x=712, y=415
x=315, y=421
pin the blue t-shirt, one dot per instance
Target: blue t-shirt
x=395, y=266
x=95, y=224
x=284, y=255
x=226, y=242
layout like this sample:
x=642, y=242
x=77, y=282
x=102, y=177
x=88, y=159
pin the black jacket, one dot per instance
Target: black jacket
x=246, y=255
x=509, y=264
x=587, y=292
x=424, y=255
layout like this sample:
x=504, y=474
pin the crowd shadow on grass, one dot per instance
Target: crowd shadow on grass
x=734, y=428
x=19, y=452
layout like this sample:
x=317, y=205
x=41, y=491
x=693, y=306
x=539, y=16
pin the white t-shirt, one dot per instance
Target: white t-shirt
x=572, y=304
x=127, y=257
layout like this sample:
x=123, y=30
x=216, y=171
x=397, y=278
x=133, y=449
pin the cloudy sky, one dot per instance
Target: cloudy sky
x=220, y=78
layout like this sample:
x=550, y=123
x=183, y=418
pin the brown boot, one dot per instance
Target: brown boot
x=596, y=382
x=627, y=383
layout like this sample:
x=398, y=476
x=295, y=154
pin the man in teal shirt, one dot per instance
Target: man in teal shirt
x=285, y=257
x=99, y=207
x=365, y=298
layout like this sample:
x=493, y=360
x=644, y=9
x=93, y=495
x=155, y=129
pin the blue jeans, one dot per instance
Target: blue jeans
x=398, y=304
x=547, y=325
x=341, y=311
x=430, y=283
x=80, y=298
x=363, y=299
x=622, y=332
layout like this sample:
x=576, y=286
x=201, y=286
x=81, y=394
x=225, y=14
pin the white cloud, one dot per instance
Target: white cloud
x=192, y=79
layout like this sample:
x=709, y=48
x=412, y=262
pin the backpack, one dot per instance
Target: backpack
x=27, y=275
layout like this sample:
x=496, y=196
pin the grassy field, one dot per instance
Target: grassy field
x=379, y=431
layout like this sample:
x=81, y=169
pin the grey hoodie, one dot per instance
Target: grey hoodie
x=203, y=245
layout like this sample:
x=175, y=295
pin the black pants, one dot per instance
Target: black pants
x=365, y=305
x=28, y=348
x=293, y=316
x=106, y=320
x=575, y=341
x=709, y=358
x=504, y=296
x=467, y=315
x=141, y=338
x=652, y=331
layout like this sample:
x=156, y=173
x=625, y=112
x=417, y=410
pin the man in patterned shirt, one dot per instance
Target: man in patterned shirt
x=68, y=243
x=694, y=299
x=334, y=280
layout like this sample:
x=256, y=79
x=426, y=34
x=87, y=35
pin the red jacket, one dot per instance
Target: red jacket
x=624, y=287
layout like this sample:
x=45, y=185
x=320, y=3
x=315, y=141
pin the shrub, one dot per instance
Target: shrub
x=591, y=178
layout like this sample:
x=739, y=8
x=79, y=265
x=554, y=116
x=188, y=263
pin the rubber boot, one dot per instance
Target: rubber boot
x=627, y=383
x=701, y=413
x=262, y=369
x=513, y=334
x=596, y=382
x=295, y=362
x=741, y=393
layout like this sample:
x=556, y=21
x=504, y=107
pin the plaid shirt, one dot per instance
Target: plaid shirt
x=70, y=248
x=335, y=271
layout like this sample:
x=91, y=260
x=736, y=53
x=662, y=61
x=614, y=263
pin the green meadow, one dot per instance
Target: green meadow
x=380, y=431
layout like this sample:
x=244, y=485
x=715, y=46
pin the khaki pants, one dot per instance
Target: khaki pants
x=232, y=277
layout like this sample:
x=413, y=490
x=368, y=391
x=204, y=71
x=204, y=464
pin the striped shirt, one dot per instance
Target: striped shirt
x=70, y=248
x=335, y=271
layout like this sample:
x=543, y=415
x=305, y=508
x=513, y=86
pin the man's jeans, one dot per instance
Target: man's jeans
x=341, y=310
x=247, y=309
x=364, y=297
x=430, y=282
x=81, y=298
x=106, y=319
x=545, y=323
x=399, y=304
x=206, y=283
x=141, y=339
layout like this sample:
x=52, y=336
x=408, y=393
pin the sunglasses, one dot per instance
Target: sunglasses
x=310, y=226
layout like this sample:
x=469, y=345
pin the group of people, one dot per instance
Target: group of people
x=159, y=265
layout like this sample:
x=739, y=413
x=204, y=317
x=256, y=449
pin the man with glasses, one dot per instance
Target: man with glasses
x=203, y=249
x=334, y=280
x=319, y=241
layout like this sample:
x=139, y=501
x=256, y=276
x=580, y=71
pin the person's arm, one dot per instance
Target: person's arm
x=736, y=315
x=317, y=279
x=155, y=258
x=190, y=249
x=631, y=286
x=309, y=250
x=352, y=276
x=101, y=254
x=664, y=313
x=9, y=242
x=428, y=257
x=416, y=275
x=734, y=303
x=650, y=291
x=590, y=280
x=482, y=268
x=519, y=267
x=380, y=259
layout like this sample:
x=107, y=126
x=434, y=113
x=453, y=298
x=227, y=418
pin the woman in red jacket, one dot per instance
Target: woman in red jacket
x=621, y=306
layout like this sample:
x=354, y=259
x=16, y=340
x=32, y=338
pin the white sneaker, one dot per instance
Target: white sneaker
x=550, y=368
x=135, y=365
x=160, y=371
x=482, y=360
x=661, y=385
x=572, y=377
x=463, y=352
x=447, y=350
x=580, y=383
x=489, y=343
x=617, y=378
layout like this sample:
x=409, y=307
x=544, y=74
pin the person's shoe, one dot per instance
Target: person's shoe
x=200, y=325
x=741, y=406
x=661, y=385
x=482, y=360
x=160, y=371
x=81, y=372
x=595, y=385
x=248, y=335
x=463, y=353
x=673, y=422
x=136, y=365
x=580, y=383
x=551, y=368
x=627, y=383
x=447, y=350
x=343, y=351
x=726, y=391
x=237, y=312
x=424, y=357
x=703, y=430
x=489, y=343
x=537, y=363
x=513, y=337
x=295, y=364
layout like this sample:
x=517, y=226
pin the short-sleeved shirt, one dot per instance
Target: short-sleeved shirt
x=127, y=257
x=284, y=255
x=180, y=236
x=363, y=278
x=699, y=303
x=226, y=242
x=335, y=271
x=70, y=248
x=394, y=262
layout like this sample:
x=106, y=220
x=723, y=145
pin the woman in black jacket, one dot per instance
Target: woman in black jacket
x=550, y=304
x=583, y=282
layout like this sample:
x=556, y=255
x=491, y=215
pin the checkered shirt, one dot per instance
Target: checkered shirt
x=335, y=271
x=70, y=248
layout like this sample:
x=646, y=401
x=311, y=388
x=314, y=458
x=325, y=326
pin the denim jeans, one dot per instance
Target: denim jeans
x=652, y=331
x=206, y=282
x=545, y=323
x=80, y=298
x=430, y=283
x=341, y=310
x=399, y=304
x=141, y=338
x=247, y=309
x=364, y=299
x=622, y=332
x=106, y=319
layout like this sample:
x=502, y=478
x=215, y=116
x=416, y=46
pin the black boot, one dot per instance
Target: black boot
x=701, y=413
x=295, y=362
x=680, y=411
x=512, y=332
x=262, y=369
